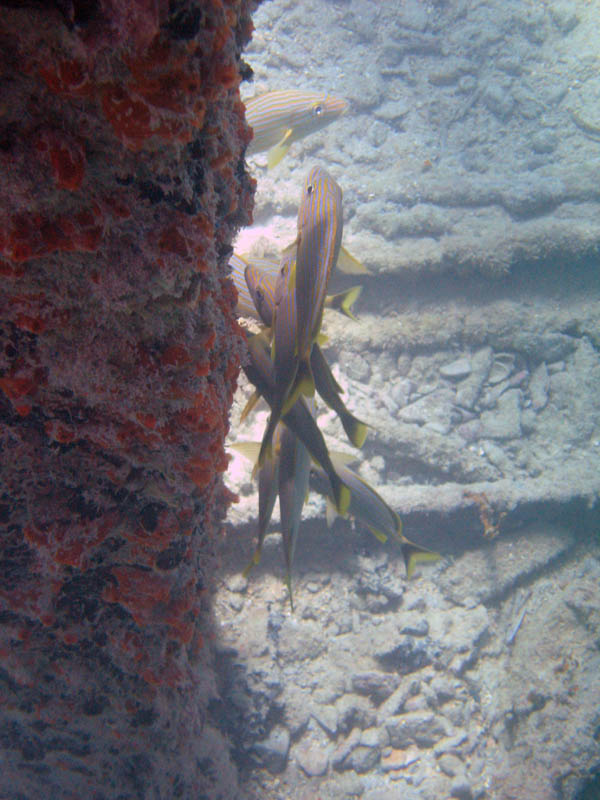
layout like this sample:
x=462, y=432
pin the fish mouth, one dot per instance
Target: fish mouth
x=343, y=105
x=337, y=105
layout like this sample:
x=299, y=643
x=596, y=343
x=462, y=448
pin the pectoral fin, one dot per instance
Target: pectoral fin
x=276, y=153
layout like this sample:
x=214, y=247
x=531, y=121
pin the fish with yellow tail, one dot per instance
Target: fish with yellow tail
x=260, y=372
x=260, y=283
x=367, y=506
x=268, y=481
x=263, y=293
x=286, y=473
x=245, y=305
x=294, y=472
x=319, y=239
x=280, y=118
x=328, y=389
x=285, y=363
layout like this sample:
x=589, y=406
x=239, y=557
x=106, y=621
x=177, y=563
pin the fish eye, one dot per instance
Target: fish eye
x=309, y=189
x=318, y=109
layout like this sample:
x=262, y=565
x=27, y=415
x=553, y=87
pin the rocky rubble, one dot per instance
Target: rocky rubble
x=449, y=685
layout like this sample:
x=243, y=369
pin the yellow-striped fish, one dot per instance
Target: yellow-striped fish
x=260, y=372
x=285, y=361
x=328, y=389
x=294, y=472
x=262, y=289
x=268, y=479
x=346, y=263
x=370, y=508
x=261, y=278
x=245, y=305
x=285, y=474
x=320, y=227
x=262, y=286
x=280, y=118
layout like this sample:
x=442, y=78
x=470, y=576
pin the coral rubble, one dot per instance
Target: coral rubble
x=122, y=140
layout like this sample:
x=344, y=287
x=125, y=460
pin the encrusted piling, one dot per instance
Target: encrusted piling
x=122, y=140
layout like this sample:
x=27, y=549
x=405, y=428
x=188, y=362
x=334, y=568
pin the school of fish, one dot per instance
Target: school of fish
x=286, y=364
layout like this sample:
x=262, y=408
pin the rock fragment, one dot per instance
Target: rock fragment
x=273, y=751
x=539, y=385
x=422, y=728
x=455, y=370
x=504, y=422
x=469, y=389
x=376, y=685
x=312, y=757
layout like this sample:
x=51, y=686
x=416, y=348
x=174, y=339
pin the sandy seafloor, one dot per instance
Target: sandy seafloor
x=470, y=168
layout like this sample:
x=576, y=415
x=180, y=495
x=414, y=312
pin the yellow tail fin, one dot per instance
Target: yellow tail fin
x=252, y=563
x=414, y=555
x=343, y=301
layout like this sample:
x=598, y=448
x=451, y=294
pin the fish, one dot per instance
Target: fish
x=367, y=506
x=268, y=482
x=263, y=294
x=329, y=390
x=261, y=278
x=280, y=118
x=319, y=239
x=294, y=472
x=261, y=373
x=346, y=263
x=285, y=362
x=245, y=305
x=285, y=474
x=261, y=286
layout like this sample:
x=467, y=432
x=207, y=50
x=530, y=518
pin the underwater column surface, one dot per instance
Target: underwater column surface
x=121, y=147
